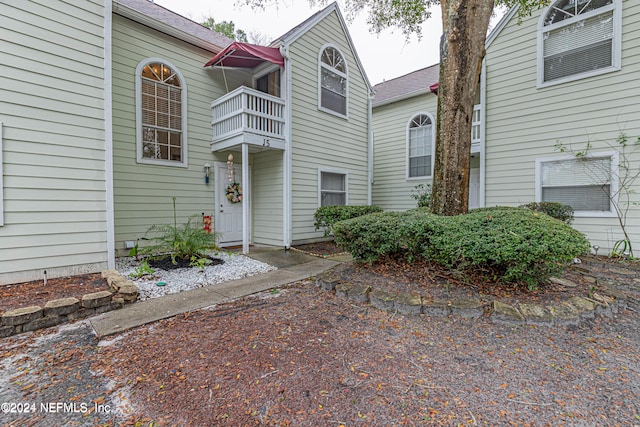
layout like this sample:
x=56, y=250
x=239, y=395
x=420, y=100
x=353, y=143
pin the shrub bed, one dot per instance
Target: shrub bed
x=516, y=245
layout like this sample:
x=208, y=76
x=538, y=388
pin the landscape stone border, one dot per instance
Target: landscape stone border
x=607, y=301
x=55, y=312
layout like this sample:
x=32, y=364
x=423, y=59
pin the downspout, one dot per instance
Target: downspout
x=370, y=149
x=287, y=160
x=108, y=134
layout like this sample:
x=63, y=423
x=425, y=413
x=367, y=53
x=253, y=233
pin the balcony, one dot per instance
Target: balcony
x=248, y=116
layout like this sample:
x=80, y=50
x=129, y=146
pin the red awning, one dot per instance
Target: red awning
x=245, y=55
x=434, y=87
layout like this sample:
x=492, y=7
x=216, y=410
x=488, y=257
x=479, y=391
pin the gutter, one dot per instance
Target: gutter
x=370, y=148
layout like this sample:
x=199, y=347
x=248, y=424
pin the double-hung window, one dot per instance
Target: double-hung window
x=420, y=146
x=161, y=96
x=333, y=82
x=587, y=184
x=333, y=188
x=578, y=38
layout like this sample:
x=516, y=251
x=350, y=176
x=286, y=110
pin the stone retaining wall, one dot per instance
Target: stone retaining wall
x=64, y=310
x=606, y=301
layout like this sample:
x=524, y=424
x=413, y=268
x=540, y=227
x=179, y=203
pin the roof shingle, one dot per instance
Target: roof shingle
x=416, y=82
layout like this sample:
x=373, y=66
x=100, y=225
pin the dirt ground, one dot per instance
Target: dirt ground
x=301, y=356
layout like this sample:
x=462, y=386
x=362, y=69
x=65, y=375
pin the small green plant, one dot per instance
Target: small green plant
x=326, y=216
x=142, y=270
x=184, y=241
x=198, y=262
x=621, y=249
x=422, y=193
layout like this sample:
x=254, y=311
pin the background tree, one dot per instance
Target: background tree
x=259, y=38
x=227, y=28
x=464, y=29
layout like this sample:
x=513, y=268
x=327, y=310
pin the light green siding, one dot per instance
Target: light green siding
x=52, y=110
x=143, y=192
x=524, y=122
x=323, y=140
x=266, y=198
x=391, y=188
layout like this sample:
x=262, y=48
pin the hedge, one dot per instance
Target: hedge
x=517, y=245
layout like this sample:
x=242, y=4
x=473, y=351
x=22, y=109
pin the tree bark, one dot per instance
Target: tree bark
x=464, y=24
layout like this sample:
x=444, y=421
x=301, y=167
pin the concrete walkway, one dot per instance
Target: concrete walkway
x=292, y=267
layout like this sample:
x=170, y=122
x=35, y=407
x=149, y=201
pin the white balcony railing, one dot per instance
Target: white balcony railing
x=246, y=110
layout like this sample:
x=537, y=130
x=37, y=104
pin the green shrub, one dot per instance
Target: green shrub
x=327, y=216
x=369, y=237
x=422, y=193
x=517, y=245
x=555, y=210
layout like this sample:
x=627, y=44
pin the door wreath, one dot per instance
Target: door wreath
x=234, y=192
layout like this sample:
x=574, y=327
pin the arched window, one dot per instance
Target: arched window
x=333, y=81
x=578, y=38
x=161, y=114
x=420, y=146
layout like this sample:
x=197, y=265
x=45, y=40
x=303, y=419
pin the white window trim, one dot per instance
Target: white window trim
x=1, y=181
x=614, y=182
x=185, y=152
x=433, y=148
x=333, y=70
x=616, y=6
x=346, y=184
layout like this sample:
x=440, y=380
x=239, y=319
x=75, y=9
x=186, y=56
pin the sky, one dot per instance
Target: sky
x=383, y=56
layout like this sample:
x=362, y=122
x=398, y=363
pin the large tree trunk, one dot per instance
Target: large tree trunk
x=464, y=24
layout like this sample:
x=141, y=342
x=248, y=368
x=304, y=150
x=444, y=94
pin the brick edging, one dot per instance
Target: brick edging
x=64, y=310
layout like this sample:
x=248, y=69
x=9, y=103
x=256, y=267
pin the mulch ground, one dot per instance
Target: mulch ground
x=37, y=293
x=301, y=356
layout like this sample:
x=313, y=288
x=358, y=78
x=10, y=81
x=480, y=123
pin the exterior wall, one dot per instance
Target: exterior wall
x=524, y=123
x=143, y=192
x=52, y=111
x=266, y=197
x=391, y=188
x=320, y=139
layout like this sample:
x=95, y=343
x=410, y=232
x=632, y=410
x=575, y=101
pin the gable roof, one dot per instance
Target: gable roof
x=300, y=29
x=164, y=20
x=413, y=84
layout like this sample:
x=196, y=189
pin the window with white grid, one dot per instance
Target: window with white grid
x=333, y=81
x=420, y=146
x=161, y=114
x=579, y=38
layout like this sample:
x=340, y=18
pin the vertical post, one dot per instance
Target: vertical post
x=246, y=196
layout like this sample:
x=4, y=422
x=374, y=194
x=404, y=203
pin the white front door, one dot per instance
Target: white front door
x=228, y=214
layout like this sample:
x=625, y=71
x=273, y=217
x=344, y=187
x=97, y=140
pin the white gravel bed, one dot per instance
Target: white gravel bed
x=183, y=279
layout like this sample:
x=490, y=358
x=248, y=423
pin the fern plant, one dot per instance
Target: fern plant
x=185, y=241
